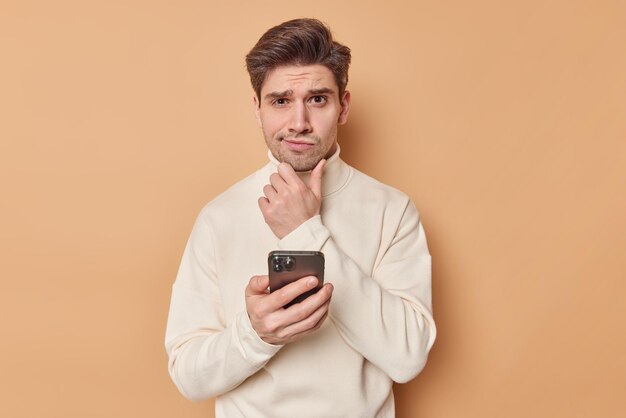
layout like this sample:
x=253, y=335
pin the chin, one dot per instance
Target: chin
x=300, y=163
x=302, y=166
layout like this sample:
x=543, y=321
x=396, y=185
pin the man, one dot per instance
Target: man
x=337, y=353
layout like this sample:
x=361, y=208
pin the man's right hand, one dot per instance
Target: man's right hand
x=276, y=325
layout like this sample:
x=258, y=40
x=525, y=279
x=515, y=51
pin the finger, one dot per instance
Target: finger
x=315, y=183
x=277, y=181
x=288, y=174
x=264, y=204
x=307, y=324
x=269, y=191
x=320, y=297
x=257, y=286
x=319, y=323
x=287, y=293
x=317, y=299
x=299, y=311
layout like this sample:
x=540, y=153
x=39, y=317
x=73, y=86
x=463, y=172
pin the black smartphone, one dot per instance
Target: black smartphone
x=287, y=266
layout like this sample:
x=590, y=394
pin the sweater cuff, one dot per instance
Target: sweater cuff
x=251, y=345
x=309, y=236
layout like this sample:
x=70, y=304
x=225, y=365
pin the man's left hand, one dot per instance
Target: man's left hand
x=288, y=201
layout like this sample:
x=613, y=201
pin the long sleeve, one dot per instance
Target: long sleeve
x=386, y=317
x=207, y=356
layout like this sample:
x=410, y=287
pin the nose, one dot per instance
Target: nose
x=299, y=122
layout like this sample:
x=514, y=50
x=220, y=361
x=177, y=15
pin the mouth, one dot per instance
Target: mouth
x=297, y=144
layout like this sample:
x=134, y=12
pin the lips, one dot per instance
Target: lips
x=296, y=145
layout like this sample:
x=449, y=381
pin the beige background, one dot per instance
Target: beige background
x=504, y=121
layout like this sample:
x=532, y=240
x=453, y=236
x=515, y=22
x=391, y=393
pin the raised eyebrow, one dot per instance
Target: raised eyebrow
x=323, y=90
x=278, y=94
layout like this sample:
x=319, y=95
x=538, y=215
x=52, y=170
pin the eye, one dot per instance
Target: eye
x=280, y=102
x=319, y=99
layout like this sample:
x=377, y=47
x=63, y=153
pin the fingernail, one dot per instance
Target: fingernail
x=311, y=282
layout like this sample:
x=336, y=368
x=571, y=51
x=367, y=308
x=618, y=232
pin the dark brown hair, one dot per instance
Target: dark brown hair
x=298, y=42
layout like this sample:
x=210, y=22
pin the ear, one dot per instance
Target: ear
x=257, y=110
x=345, y=108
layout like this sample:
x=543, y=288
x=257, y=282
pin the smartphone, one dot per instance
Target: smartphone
x=287, y=266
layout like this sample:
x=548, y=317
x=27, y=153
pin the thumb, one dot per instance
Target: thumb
x=257, y=285
x=315, y=183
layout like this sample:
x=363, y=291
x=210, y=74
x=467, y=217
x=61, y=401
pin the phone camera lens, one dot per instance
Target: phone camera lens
x=278, y=268
x=289, y=263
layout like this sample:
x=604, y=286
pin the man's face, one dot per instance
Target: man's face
x=299, y=111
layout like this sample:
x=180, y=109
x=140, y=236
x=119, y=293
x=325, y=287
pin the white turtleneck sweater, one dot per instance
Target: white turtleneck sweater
x=379, y=329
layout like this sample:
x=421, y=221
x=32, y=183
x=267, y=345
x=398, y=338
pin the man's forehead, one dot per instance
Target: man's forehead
x=294, y=78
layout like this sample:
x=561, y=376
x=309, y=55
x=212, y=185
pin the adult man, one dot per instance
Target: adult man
x=337, y=353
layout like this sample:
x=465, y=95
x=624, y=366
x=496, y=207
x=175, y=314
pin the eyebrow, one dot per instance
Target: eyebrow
x=287, y=93
x=278, y=94
x=323, y=90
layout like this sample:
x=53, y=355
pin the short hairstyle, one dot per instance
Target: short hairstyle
x=298, y=42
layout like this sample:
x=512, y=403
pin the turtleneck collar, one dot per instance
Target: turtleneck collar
x=336, y=173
